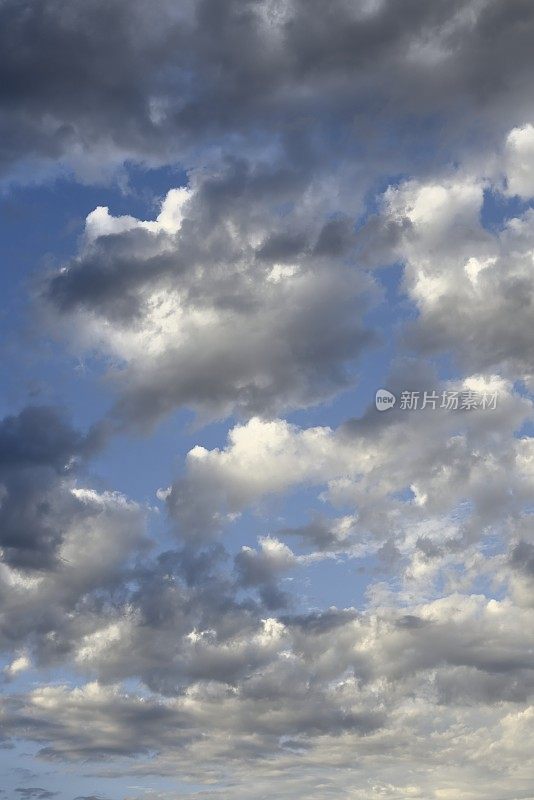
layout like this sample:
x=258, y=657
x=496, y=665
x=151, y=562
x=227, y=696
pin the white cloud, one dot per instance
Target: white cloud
x=472, y=288
x=19, y=664
x=519, y=162
x=463, y=465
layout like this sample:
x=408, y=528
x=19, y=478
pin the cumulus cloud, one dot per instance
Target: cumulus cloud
x=225, y=304
x=53, y=610
x=225, y=680
x=195, y=309
x=258, y=566
x=40, y=455
x=64, y=545
x=442, y=459
x=471, y=286
x=262, y=569
x=262, y=457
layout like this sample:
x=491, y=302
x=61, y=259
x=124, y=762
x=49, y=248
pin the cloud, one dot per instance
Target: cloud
x=100, y=706
x=91, y=86
x=447, y=459
x=262, y=457
x=325, y=535
x=40, y=455
x=519, y=156
x=19, y=664
x=336, y=683
x=472, y=287
x=192, y=312
x=52, y=609
x=521, y=567
x=64, y=546
x=221, y=679
x=205, y=307
x=89, y=797
x=262, y=568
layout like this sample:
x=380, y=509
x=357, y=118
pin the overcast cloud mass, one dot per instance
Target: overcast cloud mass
x=225, y=573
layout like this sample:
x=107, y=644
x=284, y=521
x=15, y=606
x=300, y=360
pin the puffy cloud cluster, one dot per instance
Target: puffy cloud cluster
x=64, y=546
x=246, y=295
x=418, y=477
x=472, y=286
x=224, y=302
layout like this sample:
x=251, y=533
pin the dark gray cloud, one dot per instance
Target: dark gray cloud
x=158, y=721
x=522, y=558
x=322, y=621
x=262, y=569
x=323, y=534
x=125, y=81
x=64, y=547
x=40, y=453
x=89, y=797
x=35, y=793
x=109, y=278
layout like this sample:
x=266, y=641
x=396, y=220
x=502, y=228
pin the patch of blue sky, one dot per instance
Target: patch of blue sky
x=498, y=209
x=22, y=766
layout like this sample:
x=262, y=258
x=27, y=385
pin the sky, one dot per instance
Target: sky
x=266, y=419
